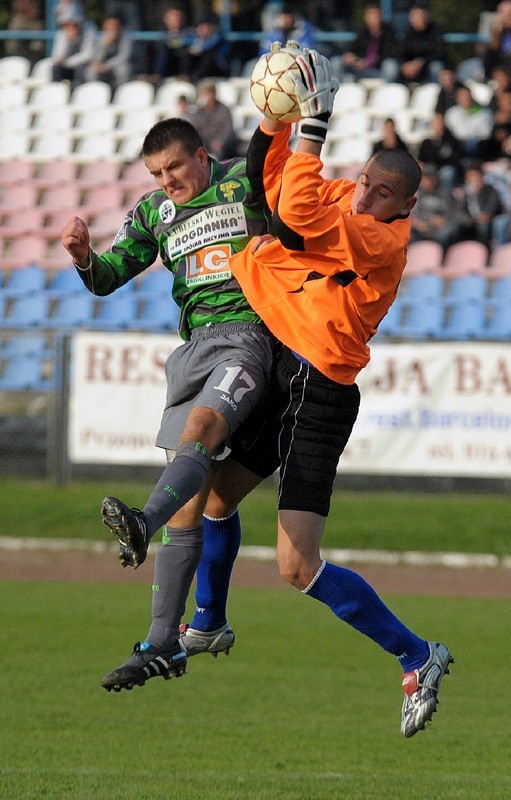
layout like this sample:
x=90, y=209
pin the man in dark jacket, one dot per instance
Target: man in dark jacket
x=442, y=149
x=374, y=51
x=422, y=52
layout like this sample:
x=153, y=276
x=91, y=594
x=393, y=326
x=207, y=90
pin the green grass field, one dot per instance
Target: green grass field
x=381, y=520
x=302, y=708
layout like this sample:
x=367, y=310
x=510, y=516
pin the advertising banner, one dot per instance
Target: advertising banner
x=441, y=409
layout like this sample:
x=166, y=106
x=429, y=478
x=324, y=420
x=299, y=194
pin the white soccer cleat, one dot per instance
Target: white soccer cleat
x=218, y=641
x=421, y=688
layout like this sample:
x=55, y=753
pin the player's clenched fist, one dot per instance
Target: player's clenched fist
x=76, y=239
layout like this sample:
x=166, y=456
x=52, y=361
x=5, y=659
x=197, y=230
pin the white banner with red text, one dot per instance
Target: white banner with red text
x=439, y=409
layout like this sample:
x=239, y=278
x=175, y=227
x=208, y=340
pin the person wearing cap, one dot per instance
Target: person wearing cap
x=73, y=46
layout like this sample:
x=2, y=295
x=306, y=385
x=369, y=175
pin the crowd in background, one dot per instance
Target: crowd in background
x=466, y=150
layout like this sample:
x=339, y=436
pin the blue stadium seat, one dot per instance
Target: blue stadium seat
x=158, y=314
x=427, y=286
x=25, y=280
x=467, y=287
x=391, y=324
x=26, y=311
x=465, y=320
x=24, y=373
x=155, y=284
x=115, y=313
x=73, y=311
x=423, y=319
x=499, y=321
x=32, y=344
x=64, y=283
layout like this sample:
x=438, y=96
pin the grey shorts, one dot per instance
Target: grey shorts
x=225, y=367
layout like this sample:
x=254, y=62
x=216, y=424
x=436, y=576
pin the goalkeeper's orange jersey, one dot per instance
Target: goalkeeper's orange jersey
x=325, y=300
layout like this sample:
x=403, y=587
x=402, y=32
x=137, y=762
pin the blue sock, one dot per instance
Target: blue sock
x=353, y=600
x=222, y=539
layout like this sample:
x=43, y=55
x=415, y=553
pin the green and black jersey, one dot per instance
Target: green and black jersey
x=194, y=241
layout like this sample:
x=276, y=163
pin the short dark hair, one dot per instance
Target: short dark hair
x=402, y=163
x=169, y=131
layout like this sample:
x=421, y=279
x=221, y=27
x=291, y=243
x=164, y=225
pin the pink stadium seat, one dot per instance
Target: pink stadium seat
x=21, y=221
x=106, y=224
x=101, y=198
x=465, y=258
x=500, y=262
x=423, y=257
x=60, y=198
x=98, y=173
x=136, y=176
x=23, y=195
x=15, y=171
x=54, y=173
x=23, y=251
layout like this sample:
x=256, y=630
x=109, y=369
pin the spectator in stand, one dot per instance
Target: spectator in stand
x=481, y=211
x=494, y=148
x=501, y=82
x=184, y=107
x=290, y=25
x=25, y=16
x=132, y=12
x=391, y=139
x=245, y=16
x=171, y=54
x=470, y=122
x=373, y=53
x=447, y=94
x=207, y=54
x=432, y=216
x=422, y=53
x=498, y=50
x=213, y=121
x=73, y=46
x=443, y=150
x=111, y=60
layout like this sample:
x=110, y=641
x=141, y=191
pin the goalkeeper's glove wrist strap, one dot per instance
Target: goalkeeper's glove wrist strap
x=314, y=129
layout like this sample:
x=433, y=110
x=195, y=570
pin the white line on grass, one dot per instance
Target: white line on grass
x=383, y=557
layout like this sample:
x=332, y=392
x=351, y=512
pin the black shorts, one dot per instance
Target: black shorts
x=310, y=418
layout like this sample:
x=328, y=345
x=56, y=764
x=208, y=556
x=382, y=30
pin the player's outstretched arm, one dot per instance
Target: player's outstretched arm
x=315, y=91
x=76, y=240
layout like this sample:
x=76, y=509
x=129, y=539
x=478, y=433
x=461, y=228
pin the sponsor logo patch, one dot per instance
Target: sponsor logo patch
x=208, y=265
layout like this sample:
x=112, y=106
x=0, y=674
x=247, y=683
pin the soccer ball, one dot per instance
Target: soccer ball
x=271, y=88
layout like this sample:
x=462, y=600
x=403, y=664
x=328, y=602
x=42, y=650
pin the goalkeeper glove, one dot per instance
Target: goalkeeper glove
x=315, y=91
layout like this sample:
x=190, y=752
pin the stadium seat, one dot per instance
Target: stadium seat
x=98, y=199
x=26, y=311
x=422, y=257
x=64, y=283
x=498, y=325
x=97, y=173
x=23, y=251
x=115, y=312
x=24, y=373
x=136, y=177
x=96, y=146
x=72, y=311
x=165, y=99
x=352, y=123
x=427, y=288
x=55, y=172
x=422, y=320
x=423, y=101
x=13, y=95
x=30, y=279
x=49, y=95
x=133, y=94
x=158, y=314
x=14, y=144
x=500, y=262
x=345, y=152
x=465, y=258
x=50, y=146
x=391, y=324
x=14, y=69
x=16, y=196
x=465, y=320
x=17, y=119
x=66, y=197
x=31, y=344
x=387, y=98
x=349, y=97
x=90, y=95
x=157, y=283
x=20, y=222
x=41, y=73
x=466, y=288
x=15, y=171
x=93, y=121
x=106, y=224
x=135, y=122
